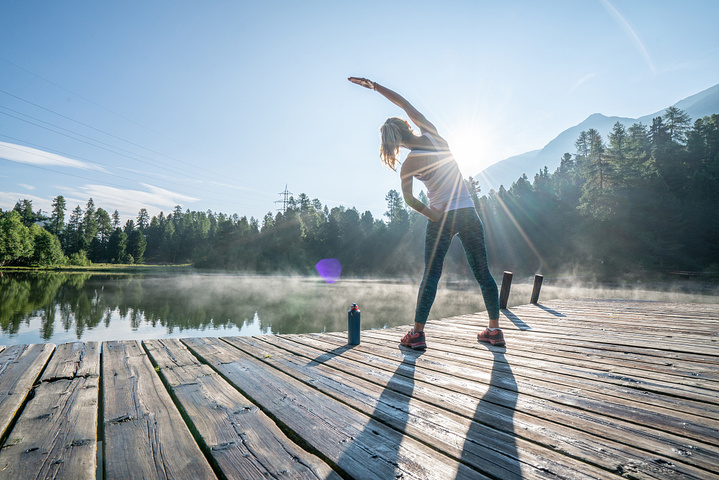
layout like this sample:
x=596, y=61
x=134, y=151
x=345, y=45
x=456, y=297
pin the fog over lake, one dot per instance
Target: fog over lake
x=67, y=307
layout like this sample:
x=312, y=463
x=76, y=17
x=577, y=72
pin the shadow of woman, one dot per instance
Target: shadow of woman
x=492, y=426
x=380, y=450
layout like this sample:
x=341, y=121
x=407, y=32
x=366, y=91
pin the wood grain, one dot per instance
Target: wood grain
x=145, y=435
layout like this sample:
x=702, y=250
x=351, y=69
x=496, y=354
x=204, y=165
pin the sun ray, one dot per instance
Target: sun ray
x=521, y=231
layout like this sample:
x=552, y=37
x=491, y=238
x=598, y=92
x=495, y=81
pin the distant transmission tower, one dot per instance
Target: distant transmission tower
x=285, y=199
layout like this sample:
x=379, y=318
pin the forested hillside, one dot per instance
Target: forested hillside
x=644, y=198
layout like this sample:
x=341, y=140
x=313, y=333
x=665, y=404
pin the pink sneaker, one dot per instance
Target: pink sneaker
x=414, y=340
x=495, y=337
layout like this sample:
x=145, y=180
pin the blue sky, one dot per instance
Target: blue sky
x=219, y=104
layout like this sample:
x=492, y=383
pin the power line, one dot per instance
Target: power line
x=90, y=141
x=98, y=105
x=223, y=178
x=173, y=165
x=97, y=143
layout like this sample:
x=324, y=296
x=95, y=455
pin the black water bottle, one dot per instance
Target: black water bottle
x=353, y=325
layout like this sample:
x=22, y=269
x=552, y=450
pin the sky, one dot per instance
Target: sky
x=220, y=105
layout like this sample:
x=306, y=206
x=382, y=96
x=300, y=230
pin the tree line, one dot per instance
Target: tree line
x=644, y=198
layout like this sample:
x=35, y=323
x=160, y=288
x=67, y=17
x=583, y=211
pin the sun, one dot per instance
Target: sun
x=469, y=148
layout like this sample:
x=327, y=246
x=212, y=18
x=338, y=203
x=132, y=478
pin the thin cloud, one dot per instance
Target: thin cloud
x=190, y=180
x=33, y=156
x=26, y=186
x=9, y=199
x=581, y=82
x=629, y=31
x=128, y=202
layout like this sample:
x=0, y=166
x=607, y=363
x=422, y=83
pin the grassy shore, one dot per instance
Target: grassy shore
x=104, y=268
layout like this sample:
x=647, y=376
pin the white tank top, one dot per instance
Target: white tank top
x=445, y=187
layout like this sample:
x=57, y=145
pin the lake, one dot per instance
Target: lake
x=65, y=307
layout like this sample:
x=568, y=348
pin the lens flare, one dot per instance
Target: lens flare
x=329, y=269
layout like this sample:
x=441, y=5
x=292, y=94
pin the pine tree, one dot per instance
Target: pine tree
x=74, y=234
x=595, y=200
x=143, y=219
x=396, y=212
x=89, y=222
x=24, y=209
x=57, y=218
x=115, y=219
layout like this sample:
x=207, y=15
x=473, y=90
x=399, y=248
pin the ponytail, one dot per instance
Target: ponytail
x=390, y=141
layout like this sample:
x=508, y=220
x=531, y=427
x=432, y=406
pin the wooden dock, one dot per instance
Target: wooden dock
x=584, y=389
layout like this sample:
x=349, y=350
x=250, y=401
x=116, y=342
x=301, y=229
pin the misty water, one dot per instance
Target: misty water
x=66, y=307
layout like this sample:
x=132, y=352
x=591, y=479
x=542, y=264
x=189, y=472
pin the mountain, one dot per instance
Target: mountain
x=507, y=171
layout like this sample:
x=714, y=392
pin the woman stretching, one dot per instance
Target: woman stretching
x=450, y=212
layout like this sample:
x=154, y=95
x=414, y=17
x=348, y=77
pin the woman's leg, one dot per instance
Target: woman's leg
x=471, y=233
x=436, y=243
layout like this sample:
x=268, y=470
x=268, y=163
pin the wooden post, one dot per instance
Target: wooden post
x=506, y=285
x=537, y=287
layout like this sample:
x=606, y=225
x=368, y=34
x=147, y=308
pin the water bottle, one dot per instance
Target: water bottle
x=353, y=325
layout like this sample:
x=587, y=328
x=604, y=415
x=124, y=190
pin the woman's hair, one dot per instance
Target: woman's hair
x=391, y=136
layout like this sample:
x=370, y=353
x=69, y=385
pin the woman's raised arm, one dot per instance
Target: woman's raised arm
x=394, y=97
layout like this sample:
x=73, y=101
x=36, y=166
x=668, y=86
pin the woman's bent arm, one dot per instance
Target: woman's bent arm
x=409, y=198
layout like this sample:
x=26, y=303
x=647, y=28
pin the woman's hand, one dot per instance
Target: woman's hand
x=434, y=215
x=363, y=82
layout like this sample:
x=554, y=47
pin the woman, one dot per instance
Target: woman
x=450, y=212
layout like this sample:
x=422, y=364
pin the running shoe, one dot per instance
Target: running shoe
x=495, y=337
x=414, y=340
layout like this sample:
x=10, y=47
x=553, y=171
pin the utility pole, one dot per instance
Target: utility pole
x=285, y=200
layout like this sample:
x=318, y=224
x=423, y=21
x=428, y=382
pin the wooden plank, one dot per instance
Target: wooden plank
x=653, y=369
x=398, y=397
x=243, y=441
x=570, y=341
x=56, y=434
x=466, y=375
x=144, y=434
x=608, y=308
x=690, y=387
x=568, y=331
x=629, y=319
x=624, y=314
x=73, y=360
x=661, y=411
x=603, y=441
x=682, y=367
x=560, y=333
x=669, y=334
x=360, y=446
x=689, y=311
x=20, y=366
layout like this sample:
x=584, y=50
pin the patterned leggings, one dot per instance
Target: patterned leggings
x=465, y=223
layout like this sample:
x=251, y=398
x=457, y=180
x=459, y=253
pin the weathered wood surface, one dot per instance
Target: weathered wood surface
x=20, y=366
x=56, y=434
x=584, y=389
x=446, y=393
x=243, y=441
x=360, y=445
x=144, y=433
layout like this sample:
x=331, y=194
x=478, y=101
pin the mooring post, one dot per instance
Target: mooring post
x=506, y=285
x=537, y=287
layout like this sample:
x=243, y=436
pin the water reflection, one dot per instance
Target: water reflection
x=63, y=307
